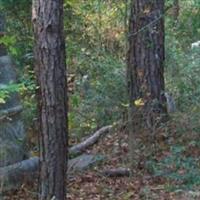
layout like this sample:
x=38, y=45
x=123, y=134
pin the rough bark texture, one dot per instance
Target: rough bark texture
x=51, y=74
x=145, y=71
x=146, y=50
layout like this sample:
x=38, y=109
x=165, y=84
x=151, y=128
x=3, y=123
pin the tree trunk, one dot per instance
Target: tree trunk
x=146, y=50
x=50, y=69
x=145, y=68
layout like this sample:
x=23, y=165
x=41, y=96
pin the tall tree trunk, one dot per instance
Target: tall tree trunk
x=50, y=69
x=146, y=51
x=145, y=66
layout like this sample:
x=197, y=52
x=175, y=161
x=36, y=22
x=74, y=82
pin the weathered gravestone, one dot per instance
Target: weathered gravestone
x=12, y=134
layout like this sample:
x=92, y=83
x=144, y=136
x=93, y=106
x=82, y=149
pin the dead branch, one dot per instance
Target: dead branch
x=79, y=148
x=12, y=176
x=119, y=172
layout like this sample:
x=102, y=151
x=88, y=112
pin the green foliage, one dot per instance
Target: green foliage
x=183, y=170
x=183, y=80
x=100, y=91
x=14, y=4
x=28, y=94
x=95, y=49
x=7, y=90
x=96, y=24
x=182, y=62
x=19, y=43
x=18, y=39
x=9, y=42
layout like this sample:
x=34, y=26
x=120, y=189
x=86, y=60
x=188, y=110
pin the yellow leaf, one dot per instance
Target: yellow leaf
x=147, y=10
x=139, y=102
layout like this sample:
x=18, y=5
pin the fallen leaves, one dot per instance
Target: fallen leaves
x=93, y=185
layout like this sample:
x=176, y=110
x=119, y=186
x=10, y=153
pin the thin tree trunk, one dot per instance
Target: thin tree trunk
x=50, y=69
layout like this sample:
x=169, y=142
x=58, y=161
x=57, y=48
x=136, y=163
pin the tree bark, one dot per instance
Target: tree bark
x=146, y=50
x=50, y=69
x=145, y=70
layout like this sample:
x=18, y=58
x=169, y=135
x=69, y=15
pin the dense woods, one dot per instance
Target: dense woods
x=99, y=99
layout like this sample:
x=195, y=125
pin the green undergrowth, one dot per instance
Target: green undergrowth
x=180, y=165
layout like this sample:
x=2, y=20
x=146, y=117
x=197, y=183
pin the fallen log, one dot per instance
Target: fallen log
x=118, y=172
x=12, y=176
x=79, y=148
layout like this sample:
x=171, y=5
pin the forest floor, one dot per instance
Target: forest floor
x=170, y=174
